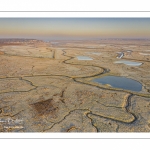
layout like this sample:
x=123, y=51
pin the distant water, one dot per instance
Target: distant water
x=120, y=54
x=120, y=82
x=96, y=53
x=144, y=54
x=84, y=58
x=129, y=51
x=129, y=63
x=132, y=46
x=54, y=42
x=102, y=45
x=90, y=47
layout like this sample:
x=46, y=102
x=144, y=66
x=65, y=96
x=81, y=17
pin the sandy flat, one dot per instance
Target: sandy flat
x=45, y=88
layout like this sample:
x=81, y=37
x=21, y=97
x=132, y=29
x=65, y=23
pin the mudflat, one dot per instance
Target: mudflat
x=44, y=87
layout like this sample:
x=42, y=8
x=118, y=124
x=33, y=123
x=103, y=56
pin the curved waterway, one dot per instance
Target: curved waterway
x=120, y=82
x=105, y=70
x=121, y=54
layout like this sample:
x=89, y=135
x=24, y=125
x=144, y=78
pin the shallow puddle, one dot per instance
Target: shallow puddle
x=120, y=82
x=84, y=58
x=96, y=53
x=129, y=63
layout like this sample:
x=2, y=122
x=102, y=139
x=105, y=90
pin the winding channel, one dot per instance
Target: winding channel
x=105, y=70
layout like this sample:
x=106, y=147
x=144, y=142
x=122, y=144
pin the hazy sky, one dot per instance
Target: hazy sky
x=74, y=28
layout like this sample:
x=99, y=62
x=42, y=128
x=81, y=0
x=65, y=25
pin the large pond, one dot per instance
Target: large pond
x=129, y=63
x=120, y=82
x=84, y=58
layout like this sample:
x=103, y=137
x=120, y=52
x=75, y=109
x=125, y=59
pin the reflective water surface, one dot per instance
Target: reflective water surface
x=120, y=82
x=129, y=63
x=84, y=58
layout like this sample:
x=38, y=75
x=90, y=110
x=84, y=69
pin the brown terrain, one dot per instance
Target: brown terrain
x=45, y=88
